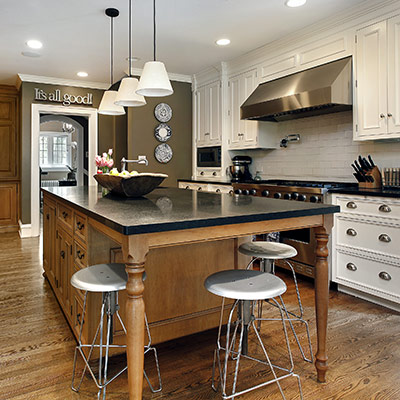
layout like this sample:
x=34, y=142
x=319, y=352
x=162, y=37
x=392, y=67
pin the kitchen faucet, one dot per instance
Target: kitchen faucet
x=140, y=160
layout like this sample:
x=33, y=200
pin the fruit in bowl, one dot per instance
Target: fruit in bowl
x=130, y=184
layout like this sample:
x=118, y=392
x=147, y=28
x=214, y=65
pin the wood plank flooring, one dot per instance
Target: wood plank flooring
x=36, y=346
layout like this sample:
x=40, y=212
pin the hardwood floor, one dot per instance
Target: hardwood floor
x=36, y=346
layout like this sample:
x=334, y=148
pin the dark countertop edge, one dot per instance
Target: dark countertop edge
x=393, y=193
x=203, y=223
x=205, y=181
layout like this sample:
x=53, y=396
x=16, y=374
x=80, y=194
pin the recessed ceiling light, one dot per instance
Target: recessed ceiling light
x=34, y=44
x=295, y=3
x=82, y=74
x=223, y=42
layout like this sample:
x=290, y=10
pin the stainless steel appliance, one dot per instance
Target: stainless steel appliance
x=303, y=240
x=209, y=157
x=320, y=90
x=239, y=170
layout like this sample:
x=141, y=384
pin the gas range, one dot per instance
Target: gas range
x=309, y=191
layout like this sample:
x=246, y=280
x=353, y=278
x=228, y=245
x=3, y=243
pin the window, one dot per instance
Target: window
x=54, y=150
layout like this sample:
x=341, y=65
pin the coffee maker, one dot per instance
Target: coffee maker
x=239, y=169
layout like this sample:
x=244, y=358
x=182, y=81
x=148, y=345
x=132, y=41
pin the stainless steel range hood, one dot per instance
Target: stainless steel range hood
x=320, y=90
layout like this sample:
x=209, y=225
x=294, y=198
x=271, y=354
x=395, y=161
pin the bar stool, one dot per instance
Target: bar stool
x=246, y=287
x=107, y=279
x=268, y=252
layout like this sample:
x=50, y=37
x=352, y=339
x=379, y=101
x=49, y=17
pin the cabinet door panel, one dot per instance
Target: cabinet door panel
x=234, y=112
x=8, y=204
x=248, y=84
x=8, y=137
x=372, y=80
x=394, y=75
x=201, y=115
x=214, y=99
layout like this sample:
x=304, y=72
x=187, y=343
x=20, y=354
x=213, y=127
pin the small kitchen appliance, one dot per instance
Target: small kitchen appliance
x=209, y=157
x=239, y=169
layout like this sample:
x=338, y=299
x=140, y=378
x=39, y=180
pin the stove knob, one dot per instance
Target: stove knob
x=245, y=192
x=302, y=197
x=253, y=192
x=295, y=196
x=238, y=191
x=277, y=195
x=265, y=193
x=314, y=199
x=287, y=196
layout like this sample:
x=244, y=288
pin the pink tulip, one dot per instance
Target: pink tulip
x=97, y=160
x=104, y=155
x=110, y=163
x=110, y=152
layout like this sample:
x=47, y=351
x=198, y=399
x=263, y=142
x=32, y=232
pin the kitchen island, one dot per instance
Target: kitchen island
x=200, y=231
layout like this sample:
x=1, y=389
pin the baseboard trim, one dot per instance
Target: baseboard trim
x=25, y=230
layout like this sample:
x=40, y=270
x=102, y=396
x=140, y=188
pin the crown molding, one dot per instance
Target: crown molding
x=59, y=81
x=171, y=75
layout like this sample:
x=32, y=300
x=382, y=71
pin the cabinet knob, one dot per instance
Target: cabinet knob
x=64, y=214
x=62, y=254
x=47, y=216
x=351, y=232
x=199, y=189
x=390, y=115
x=385, y=276
x=79, y=225
x=187, y=187
x=202, y=173
x=78, y=316
x=80, y=255
x=218, y=191
x=385, y=208
x=382, y=115
x=214, y=173
x=351, y=267
x=351, y=204
x=384, y=238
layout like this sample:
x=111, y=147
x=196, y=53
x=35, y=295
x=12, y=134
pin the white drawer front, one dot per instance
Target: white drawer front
x=220, y=188
x=377, y=207
x=368, y=235
x=194, y=186
x=370, y=276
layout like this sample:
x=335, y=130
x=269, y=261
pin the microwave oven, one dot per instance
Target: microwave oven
x=209, y=157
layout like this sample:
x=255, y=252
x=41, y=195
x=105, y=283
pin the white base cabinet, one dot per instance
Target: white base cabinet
x=365, y=248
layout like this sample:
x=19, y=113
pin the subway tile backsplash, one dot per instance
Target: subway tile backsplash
x=325, y=151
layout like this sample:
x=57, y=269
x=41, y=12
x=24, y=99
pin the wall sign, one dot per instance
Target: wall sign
x=66, y=99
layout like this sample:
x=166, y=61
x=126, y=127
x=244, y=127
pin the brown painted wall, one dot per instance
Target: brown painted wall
x=112, y=134
x=141, y=139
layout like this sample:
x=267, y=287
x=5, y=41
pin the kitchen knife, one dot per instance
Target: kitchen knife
x=358, y=177
x=364, y=165
x=360, y=170
x=370, y=161
x=360, y=174
x=367, y=164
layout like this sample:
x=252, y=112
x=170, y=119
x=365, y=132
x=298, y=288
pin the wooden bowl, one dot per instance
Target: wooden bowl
x=130, y=186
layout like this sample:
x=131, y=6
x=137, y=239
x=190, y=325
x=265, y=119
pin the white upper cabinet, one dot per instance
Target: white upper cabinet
x=376, y=112
x=246, y=134
x=208, y=115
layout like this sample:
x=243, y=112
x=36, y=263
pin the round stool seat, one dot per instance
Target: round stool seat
x=268, y=250
x=101, y=278
x=244, y=284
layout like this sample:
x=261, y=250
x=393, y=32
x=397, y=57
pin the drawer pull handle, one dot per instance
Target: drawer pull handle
x=231, y=192
x=62, y=254
x=78, y=318
x=384, y=238
x=385, y=208
x=351, y=267
x=351, y=204
x=199, y=189
x=64, y=214
x=385, y=276
x=187, y=187
x=79, y=225
x=218, y=191
x=80, y=255
x=351, y=232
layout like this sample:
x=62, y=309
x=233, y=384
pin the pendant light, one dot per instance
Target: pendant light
x=127, y=95
x=154, y=81
x=107, y=106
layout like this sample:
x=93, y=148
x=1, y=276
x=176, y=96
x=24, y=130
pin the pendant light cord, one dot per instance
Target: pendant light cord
x=154, y=29
x=112, y=50
x=130, y=38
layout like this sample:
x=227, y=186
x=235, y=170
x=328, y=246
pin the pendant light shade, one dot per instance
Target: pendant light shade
x=127, y=90
x=127, y=95
x=154, y=81
x=107, y=106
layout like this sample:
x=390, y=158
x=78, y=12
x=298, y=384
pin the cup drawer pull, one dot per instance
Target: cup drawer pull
x=351, y=267
x=385, y=276
x=384, y=238
x=79, y=225
x=80, y=254
x=385, y=208
x=64, y=214
x=351, y=232
x=351, y=204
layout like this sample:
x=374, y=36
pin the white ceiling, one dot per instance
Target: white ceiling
x=75, y=33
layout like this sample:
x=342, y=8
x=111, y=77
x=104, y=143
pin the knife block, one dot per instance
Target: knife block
x=376, y=184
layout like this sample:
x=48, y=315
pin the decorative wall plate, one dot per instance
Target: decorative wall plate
x=163, y=132
x=163, y=112
x=163, y=153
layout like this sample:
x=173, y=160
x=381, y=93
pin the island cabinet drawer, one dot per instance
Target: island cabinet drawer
x=80, y=226
x=80, y=255
x=64, y=214
x=77, y=292
x=376, y=207
x=368, y=235
x=375, y=277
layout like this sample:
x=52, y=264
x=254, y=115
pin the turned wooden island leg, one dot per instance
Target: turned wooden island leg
x=321, y=299
x=135, y=250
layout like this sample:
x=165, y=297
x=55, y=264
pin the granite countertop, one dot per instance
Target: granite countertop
x=381, y=192
x=167, y=209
